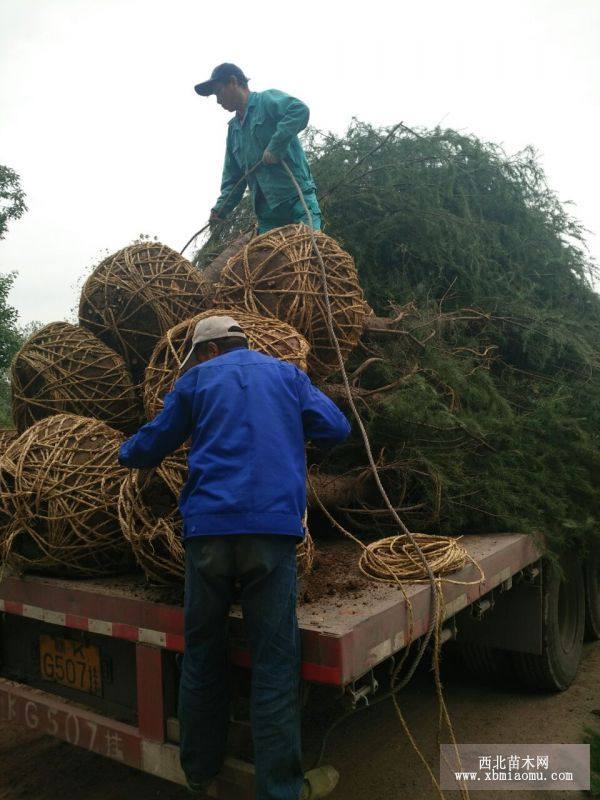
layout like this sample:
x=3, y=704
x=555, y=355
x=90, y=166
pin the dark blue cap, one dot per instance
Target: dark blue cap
x=220, y=74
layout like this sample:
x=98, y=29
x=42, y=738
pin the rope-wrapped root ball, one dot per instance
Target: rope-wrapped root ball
x=133, y=297
x=65, y=368
x=7, y=437
x=279, y=274
x=267, y=334
x=8, y=452
x=66, y=482
x=152, y=524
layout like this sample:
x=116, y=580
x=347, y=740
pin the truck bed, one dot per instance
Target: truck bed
x=348, y=623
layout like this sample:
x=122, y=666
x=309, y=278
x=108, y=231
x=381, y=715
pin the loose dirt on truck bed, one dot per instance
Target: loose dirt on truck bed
x=372, y=754
x=335, y=574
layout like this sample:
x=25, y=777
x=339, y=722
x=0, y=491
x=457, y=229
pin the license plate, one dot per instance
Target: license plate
x=71, y=663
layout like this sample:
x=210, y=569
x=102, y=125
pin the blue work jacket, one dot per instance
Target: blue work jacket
x=272, y=121
x=248, y=416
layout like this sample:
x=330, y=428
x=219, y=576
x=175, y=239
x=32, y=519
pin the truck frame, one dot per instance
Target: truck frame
x=129, y=712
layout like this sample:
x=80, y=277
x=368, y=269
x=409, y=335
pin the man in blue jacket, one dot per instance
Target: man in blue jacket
x=264, y=129
x=247, y=417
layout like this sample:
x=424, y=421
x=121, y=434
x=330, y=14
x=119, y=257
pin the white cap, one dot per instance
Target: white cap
x=208, y=330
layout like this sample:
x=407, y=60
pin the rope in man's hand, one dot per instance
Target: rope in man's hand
x=215, y=221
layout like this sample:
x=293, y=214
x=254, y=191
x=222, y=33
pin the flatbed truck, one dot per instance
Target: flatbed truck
x=95, y=662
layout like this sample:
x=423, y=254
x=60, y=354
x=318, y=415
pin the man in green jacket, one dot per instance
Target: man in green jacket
x=264, y=130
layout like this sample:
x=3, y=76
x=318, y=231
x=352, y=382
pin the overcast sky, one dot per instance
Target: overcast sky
x=100, y=119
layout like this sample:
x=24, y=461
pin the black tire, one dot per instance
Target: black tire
x=591, y=576
x=563, y=624
x=488, y=664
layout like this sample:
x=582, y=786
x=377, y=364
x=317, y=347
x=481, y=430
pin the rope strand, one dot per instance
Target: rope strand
x=437, y=601
x=400, y=557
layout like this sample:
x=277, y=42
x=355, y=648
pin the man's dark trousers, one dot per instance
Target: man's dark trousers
x=265, y=565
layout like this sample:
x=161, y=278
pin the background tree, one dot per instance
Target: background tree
x=10, y=341
x=12, y=206
x=12, y=198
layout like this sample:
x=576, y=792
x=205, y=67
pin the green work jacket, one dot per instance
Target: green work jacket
x=272, y=121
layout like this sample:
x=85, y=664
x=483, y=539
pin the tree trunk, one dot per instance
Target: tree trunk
x=213, y=270
x=334, y=490
x=380, y=325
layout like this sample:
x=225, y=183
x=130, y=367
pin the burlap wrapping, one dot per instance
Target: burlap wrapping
x=62, y=480
x=151, y=523
x=134, y=296
x=65, y=368
x=279, y=274
x=269, y=335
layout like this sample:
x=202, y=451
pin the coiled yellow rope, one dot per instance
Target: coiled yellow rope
x=397, y=555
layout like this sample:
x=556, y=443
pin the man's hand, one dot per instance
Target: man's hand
x=269, y=157
x=214, y=219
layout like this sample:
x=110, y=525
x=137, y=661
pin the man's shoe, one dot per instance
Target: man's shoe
x=319, y=783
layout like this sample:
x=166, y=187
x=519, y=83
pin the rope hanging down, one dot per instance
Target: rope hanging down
x=418, y=557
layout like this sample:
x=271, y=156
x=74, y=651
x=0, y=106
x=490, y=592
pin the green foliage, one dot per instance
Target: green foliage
x=12, y=198
x=592, y=737
x=6, y=420
x=242, y=218
x=10, y=337
x=17, y=336
x=12, y=206
x=442, y=209
x=491, y=418
x=10, y=341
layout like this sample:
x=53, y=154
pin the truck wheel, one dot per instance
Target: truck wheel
x=490, y=664
x=591, y=576
x=563, y=622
